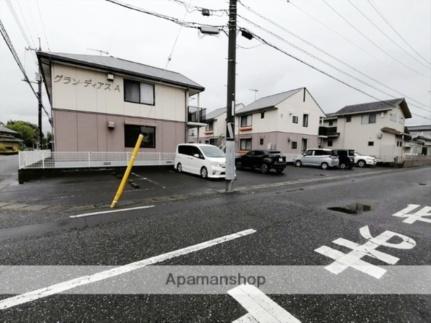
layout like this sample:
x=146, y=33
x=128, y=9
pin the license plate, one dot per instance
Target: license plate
x=280, y=159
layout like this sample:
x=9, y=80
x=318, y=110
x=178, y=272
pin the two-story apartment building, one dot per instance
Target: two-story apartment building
x=287, y=121
x=374, y=128
x=102, y=103
x=214, y=132
x=420, y=143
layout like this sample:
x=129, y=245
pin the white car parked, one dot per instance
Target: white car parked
x=364, y=160
x=208, y=161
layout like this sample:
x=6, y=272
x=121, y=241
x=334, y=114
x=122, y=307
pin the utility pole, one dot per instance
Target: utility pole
x=230, y=106
x=39, y=99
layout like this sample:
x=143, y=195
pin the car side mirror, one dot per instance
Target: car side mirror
x=196, y=156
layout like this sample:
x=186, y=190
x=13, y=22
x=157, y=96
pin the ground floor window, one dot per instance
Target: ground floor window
x=371, y=143
x=294, y=145
x=245, y=144
x=329, y=143
x=261, y=141
x=131, y=133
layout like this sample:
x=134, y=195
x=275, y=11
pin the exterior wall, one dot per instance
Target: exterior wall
x=281, y=141
x=219, y=130
x=82, y=109
x=355, y=135
x=277, y=127
x=88, y=131
x=170, y=103
x=281, y=118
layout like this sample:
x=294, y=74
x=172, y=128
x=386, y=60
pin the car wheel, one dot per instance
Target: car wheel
x=298, y=163
x=179, y=168
x=264, y=168
x=324, y=166
x=280, y=171
x=204, y=172
x=361, y=164
x=343, y=166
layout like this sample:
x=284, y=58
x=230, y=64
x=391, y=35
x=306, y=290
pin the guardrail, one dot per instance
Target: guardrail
x=45, y=159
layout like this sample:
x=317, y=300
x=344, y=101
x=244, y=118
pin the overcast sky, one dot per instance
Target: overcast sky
x=74, y=26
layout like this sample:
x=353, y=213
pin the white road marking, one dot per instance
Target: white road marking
x=354, y=258
x=260, y=307
x=419, y=215
x=247, y=318
x=112, y=211
x=88, y=279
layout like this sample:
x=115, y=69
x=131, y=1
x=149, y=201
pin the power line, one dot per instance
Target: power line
x=18, y=62
x=384, y=34
x=331, y=29
x=324, y=61
x=18, y=22
x=370, y=40
x=217, y=12
x=187, y=24
x=396, y=32
x=264, y=41
x=327, y=53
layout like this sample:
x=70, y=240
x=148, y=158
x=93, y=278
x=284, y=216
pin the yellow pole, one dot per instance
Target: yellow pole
x=127, y=172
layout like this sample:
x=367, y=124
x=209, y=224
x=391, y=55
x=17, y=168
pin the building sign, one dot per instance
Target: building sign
x=105, y=86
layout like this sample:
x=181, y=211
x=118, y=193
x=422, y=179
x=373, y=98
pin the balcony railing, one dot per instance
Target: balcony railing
x=196, y=114
x=328, y=131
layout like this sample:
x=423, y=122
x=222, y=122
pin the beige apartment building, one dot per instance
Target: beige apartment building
x=287, y=121
x=102, y=103
x=374, y=129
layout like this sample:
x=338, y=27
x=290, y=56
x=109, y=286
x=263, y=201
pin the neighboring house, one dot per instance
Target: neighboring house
x=420, y=143
x=375, y=129
x=9, y=141
x=102, y=103
x=214, y=132
x=287, y=121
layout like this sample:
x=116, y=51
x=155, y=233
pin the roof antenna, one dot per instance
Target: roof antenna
x=101, y=52
x=255, y=93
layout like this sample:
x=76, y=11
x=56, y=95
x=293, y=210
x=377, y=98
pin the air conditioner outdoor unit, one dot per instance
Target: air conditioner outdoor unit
x=110, y=77
x=111, y=124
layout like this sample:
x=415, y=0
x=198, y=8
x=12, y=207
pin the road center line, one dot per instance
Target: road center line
x=112, y=211
x=88, y=279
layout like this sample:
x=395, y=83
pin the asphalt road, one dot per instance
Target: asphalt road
x=290, y=220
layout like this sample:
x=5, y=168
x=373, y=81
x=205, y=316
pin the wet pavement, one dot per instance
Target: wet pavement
x=290, y=215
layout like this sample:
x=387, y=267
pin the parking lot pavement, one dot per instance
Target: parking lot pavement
x=290, y=225
x=79, y=192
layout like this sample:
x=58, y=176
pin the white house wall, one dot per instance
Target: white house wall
x=169, y=101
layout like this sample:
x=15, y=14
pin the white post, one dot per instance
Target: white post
x=89, y=159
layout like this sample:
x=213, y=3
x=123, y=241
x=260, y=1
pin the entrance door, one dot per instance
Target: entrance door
x=304, y=142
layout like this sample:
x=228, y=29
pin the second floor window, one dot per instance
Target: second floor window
x=368, y=118
x=245, y=121
x=305, y=120
x=210, y=126
x=294, y=119
x=139, y=92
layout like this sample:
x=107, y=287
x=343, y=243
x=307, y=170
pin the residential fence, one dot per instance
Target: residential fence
x=45, y=159
x=412, y=161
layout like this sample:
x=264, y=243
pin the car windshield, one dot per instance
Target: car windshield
x=212, y=151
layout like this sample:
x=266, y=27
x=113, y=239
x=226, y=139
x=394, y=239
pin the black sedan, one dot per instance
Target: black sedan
x=262, y=160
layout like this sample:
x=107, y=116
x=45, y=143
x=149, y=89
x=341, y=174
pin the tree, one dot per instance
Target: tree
x=26, y=130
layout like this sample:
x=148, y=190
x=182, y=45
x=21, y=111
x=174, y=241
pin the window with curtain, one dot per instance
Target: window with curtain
x=139, y=92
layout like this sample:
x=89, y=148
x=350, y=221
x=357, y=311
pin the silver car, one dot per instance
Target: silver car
x=323, y=158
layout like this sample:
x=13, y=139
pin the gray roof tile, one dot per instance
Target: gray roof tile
x=125, y=66
x=374, y=106
x=268, y=101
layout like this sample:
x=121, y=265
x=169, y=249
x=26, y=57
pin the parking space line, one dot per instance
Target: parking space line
x=112, y=211
x=88, y=279
x=259, y=306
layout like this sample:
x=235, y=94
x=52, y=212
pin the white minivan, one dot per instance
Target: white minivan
x=208, y=161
